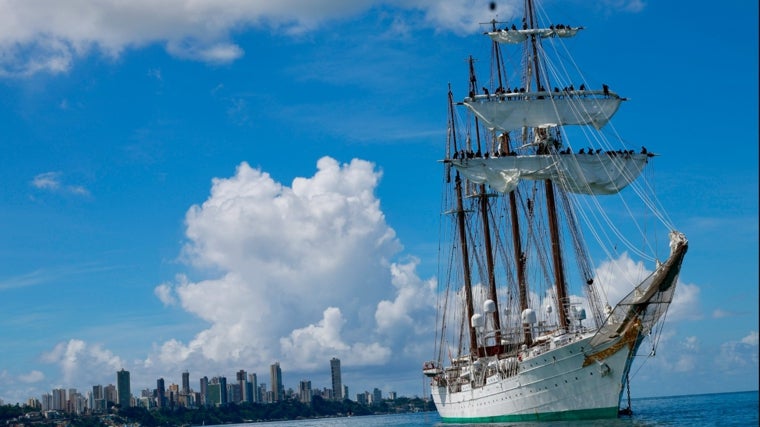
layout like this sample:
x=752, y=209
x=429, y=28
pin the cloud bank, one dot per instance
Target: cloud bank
x=42, y=36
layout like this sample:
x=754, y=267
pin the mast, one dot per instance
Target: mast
x=522, y=285
x=465, y=264
x=496, y=55
x=489, y=262
x=484, y=208
x=463, y=240
x=559, y=275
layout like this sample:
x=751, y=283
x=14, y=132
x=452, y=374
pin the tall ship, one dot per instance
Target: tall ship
x=540, y=193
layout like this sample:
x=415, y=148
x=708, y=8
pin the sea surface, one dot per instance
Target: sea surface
x=724, y=409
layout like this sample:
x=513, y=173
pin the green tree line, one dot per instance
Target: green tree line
x=230, y=413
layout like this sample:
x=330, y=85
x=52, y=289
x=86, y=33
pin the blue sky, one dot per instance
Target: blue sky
x=216, y=186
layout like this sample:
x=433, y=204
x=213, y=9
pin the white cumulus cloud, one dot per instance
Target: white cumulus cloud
x=296, y=274
x=309, y=347
x=413, y=296
x=83, y=363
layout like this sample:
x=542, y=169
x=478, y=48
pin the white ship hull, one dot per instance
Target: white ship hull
x=552, y=385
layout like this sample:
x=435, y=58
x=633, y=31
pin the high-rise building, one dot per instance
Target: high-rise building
x=233, y=393
x=361, y=398
x=264, y=394
x=304, y=391
x=253, y=384
x=59, y=399
x=242, y=379
x=71, y=400
x=31, y=403
x=276, y=376
x=216, y=391
x=110, y=394
x=77, y=403
x=123, y=388
x=97, y=392
x=204, y=391
x=337, y=384
x=160, y=394
x=214, y=397
x=98, y=399
x=47, y=402
x=172, y=397
x=185, y=382
x=223, y=390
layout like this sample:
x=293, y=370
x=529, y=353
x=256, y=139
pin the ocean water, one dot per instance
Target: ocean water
x=724, y=409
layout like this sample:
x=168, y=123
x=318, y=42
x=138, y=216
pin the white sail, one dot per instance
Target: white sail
x=535, y=109
x=519, y=36
x=583, y=173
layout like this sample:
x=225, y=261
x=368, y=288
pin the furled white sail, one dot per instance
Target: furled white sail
x=519, y=36
x=534, y=109
x=583, y=173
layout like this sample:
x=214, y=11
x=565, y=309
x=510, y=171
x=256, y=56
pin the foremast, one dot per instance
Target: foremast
x=461, y=230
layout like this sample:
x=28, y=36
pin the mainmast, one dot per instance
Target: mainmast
x=505, y=147
x=463, y=240
x=559, y=274
x=484, y=209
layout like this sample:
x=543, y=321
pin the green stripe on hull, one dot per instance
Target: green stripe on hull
x=581, y=414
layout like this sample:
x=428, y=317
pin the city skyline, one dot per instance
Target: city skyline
x=214, y=392
x=214, y=186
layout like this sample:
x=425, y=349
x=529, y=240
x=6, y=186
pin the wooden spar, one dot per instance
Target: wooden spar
x=465, y=264
x=463, y=240
x=559, y=272
x=486, y=226
x=522, y=284
x=489, y=262
x=451, y=120
x=496, y=55
x=559, y=275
